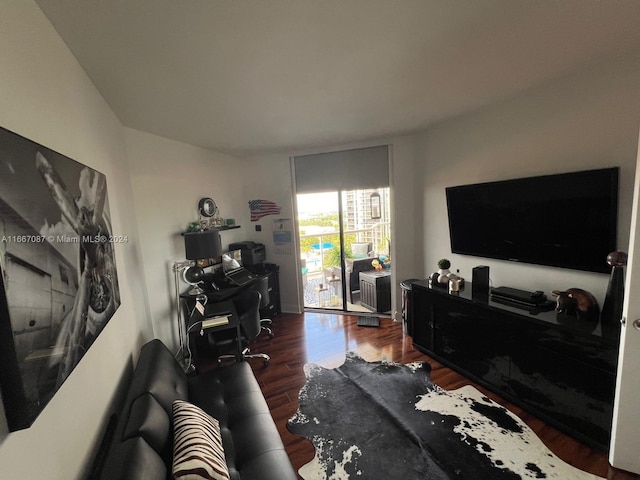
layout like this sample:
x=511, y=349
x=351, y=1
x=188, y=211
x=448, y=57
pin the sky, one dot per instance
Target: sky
x=314, y=203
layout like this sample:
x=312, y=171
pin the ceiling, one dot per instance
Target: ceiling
x=249, y=76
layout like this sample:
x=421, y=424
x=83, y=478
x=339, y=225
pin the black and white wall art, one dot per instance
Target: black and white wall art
x=58, y=281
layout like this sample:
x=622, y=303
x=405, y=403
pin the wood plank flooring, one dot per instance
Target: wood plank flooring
x=324, y=338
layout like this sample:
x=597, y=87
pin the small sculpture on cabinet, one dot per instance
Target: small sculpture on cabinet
x=442, y=277
x=578, y=302
x=443, y=270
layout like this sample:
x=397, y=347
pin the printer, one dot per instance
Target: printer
x=252, y=253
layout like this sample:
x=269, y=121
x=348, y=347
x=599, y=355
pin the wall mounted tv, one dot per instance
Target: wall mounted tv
x=566, y=220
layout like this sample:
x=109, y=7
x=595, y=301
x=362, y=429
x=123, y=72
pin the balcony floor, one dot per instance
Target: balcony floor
x=313, y=280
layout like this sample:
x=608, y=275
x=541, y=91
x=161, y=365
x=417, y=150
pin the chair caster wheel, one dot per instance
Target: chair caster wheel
x=266, y=363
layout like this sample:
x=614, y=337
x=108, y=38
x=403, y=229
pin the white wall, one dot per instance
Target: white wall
x=584, y=121
x=46, y=97
x=405, y=243
x=169, y=178
x=270, y=179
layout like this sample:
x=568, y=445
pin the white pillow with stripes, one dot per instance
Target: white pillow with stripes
x=197, y=445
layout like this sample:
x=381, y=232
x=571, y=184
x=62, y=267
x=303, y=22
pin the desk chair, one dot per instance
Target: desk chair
x=247, y=305
x=262, y=286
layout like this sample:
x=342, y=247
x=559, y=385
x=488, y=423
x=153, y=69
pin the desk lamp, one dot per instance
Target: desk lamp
x=198, y=246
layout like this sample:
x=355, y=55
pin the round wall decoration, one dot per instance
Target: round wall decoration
x=207, y=207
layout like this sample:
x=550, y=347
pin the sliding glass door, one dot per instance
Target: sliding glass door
x=342, y=233
x=343, y=215
x=321, y=249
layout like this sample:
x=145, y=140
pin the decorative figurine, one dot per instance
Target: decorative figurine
x=575, y=301
x=442, y=277
x=443, y=271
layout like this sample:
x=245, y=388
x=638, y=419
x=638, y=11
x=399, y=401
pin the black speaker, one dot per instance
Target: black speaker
x=480, y=282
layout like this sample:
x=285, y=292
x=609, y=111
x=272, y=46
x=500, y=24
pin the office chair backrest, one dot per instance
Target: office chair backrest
x=247, y=305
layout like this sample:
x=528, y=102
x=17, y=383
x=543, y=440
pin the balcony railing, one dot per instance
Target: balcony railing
x=377, y=234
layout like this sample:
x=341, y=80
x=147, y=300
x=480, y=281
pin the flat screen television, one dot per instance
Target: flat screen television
x=565, y=220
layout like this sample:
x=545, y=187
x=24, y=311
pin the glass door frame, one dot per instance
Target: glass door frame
x=361, y=202
x=325, y=291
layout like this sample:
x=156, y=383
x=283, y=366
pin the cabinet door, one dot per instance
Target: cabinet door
x=422, y=319
x=473, y=340
x=383, y=294
x=556, y=379
x=274, y=289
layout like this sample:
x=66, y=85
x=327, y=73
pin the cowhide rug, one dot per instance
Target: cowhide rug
x=385, y=420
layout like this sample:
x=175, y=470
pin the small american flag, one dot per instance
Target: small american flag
x=260, y=208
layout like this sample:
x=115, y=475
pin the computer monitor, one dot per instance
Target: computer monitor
x=231, y=261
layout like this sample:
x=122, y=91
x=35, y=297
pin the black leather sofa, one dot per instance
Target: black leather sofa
x=142, y=443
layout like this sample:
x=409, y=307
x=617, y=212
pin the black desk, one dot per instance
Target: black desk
x=227, y=290
x=225, y=293
x=220, y=300
x=194, y=319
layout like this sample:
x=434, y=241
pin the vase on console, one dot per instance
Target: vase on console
x=443, y=270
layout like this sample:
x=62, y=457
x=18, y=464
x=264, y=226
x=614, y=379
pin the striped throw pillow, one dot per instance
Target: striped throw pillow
x=197, y=444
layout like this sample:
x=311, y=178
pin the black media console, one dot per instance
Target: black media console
x=559, y=368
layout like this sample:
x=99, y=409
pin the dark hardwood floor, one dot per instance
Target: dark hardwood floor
x=325, y=338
